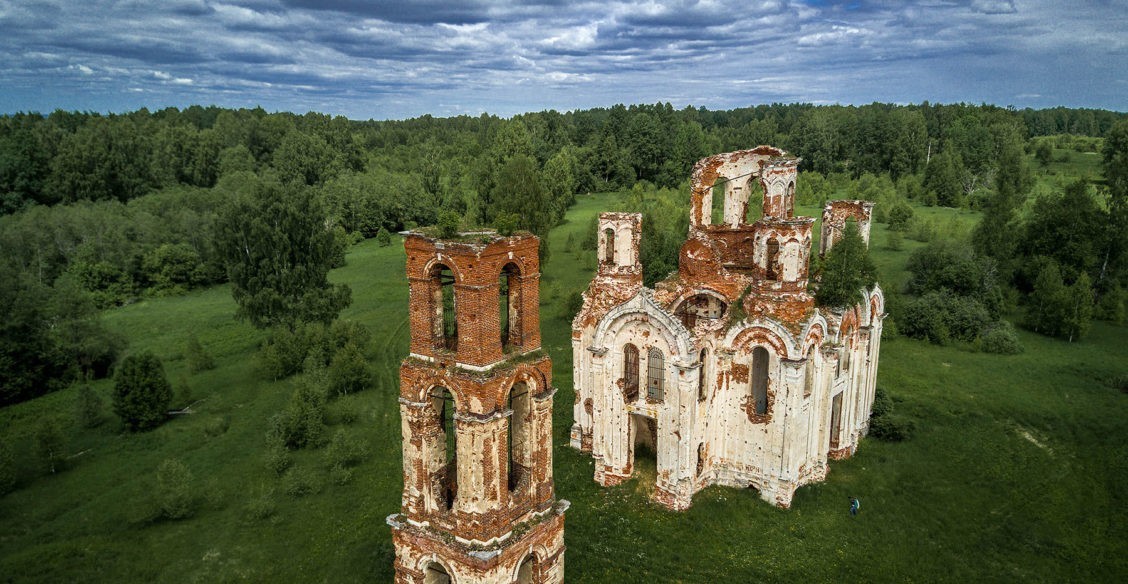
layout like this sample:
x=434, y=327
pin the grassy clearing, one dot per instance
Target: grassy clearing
x=1016, y=472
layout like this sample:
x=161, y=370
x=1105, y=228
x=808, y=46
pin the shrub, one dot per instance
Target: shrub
x=50, y=444
x=283, y=353
x=943, y=316
x=142, y=393
x=261, y=506
x=383, y=238
x=348, y=332
x=1002, y=339
x=894, y=241
x=217, y=426
x=506, y=223
x=349, y=371
x=882, y=403
x=88, y=408
x=302, y=422
x=573, y=304
x=299, y=482
x=345, y=451
x=900, y=216
x=891, y=428
x=198, y=357
x=7, y=468
x=340, y=475
x=277, y=458
x=174, y=489
x=448, y=224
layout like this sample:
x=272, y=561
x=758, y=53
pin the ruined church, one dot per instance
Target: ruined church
x=476, y=407
x=727, y=370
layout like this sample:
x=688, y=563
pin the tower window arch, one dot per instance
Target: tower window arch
x=509, y=306
x=772, y=259
x=759, y=381
x=519, y=439
x=655, y=374
x=445, y=317
x=442, y=404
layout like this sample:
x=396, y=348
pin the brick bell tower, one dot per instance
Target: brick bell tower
x=476, y=408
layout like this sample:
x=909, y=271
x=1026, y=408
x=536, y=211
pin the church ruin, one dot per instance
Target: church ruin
x=726, y=370
x=476, y=406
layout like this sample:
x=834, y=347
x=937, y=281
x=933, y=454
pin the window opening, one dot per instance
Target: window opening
x=760, y=379
x=446, y=320
x=702, y=377
x=754, y=206
x=630, y=371
x=435, y=573
x=772, y=259
x=509, y=307
x=443, y=404
x=809, y=387
x=525, y=572
x=700, y=458
x=518, y=439
x=717, y=213
x=655, y=373
x=700, y=306
x=609, y=246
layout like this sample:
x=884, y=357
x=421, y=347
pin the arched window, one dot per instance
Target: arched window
x=703, y=376
x=518, y=434
x=760, y=379
x=509, y=306
x=700, y=458
x=435, y=573
x=809, y=385
x=630, y=371
x=527, y=570
x=772, y=259
x=608, y=246
x=655, y=374
x=442, y=404
x=445, y=319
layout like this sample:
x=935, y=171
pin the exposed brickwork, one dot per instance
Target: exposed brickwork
x=739, y=286
x=479, y=511
x=834, y=218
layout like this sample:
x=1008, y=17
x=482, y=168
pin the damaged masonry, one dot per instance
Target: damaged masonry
x=476, y=406
x=726, y=370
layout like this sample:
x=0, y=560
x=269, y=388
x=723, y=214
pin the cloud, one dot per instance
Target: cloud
x=409, y=58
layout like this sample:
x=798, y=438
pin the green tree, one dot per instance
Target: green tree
x=278, y=253
x=942, y=180
x=50, y=444
x=1044, y=153
x=997, y=233
x=175, y=495
x=142, y=393
x=87, y=407
x=7, y=467
x=846, y=270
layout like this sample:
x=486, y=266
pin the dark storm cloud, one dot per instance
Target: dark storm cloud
x=407, y=58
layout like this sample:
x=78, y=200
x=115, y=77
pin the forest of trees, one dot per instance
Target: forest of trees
x=97, y=210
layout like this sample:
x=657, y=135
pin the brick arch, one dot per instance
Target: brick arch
x=445, y=260
x=876, y=305
x=849, y=324
x=698, y=291
x=764, y=332
x=812, y=338
x=534, y=378
x=420, y=390
x=421, y=566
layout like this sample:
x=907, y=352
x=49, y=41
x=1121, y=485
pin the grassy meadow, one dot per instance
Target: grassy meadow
x=1017, y=470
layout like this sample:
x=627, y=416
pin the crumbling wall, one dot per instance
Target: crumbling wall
x=711, y=427
x=477, y=516
x=834, y=218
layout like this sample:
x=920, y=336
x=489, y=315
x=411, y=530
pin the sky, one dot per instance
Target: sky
x=368, y=59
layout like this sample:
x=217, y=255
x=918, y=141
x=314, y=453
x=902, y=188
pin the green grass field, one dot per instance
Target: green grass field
x=1017, y=470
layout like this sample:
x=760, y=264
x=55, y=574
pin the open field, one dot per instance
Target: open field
x=1017, y=471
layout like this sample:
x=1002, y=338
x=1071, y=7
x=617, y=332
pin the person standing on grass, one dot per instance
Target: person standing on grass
x=854, y=506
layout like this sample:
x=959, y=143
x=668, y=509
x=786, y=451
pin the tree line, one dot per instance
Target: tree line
x=98, y=210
